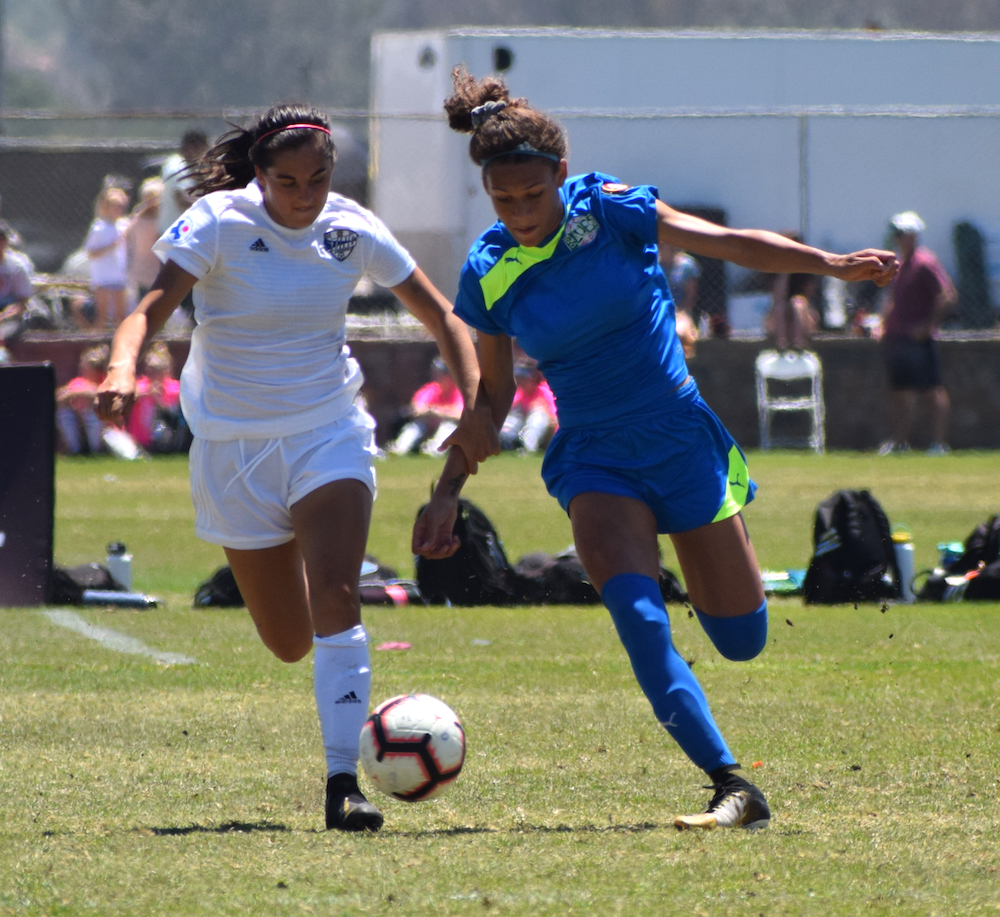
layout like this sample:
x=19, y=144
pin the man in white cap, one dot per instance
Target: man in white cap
x=922, y=294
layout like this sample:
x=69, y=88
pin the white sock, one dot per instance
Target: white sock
x=342, y=680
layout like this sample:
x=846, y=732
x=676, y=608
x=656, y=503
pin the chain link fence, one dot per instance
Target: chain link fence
x=52, y=167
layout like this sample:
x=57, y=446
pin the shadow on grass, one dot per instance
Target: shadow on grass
x=529, y=829
x=231, y=827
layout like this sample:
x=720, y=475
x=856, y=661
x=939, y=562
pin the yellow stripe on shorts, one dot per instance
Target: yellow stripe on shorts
x=737, y=486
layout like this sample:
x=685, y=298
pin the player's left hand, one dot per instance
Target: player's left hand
x=433, y=535
x=868, y=264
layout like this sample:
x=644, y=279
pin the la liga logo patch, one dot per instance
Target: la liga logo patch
x=580, y=230
x=340, y=243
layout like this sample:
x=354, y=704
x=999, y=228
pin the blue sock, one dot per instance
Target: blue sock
x=740, y=638
x=637, y=608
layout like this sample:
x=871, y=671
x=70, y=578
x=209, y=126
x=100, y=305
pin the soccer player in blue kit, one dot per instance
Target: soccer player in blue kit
x=570, y=270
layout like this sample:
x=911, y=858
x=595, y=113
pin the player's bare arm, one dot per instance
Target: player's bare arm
x=117, y=392
x=476, y=434
x=432, y=533
x=762, y=250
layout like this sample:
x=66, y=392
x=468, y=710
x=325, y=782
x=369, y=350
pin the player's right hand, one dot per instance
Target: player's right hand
x=114, y=397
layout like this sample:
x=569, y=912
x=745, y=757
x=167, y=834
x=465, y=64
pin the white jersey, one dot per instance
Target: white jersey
x=269, y=356
x=109, y=269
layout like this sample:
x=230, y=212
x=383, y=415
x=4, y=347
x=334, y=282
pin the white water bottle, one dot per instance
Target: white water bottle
x=903, y=545
x=119, y=563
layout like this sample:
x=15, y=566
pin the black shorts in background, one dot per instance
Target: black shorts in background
x=911, y=364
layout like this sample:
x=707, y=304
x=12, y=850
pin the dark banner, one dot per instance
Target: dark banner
x=27, y=482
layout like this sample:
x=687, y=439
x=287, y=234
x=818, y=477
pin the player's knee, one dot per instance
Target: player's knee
x=290, y=650
x=288, y=644
x=738, y=639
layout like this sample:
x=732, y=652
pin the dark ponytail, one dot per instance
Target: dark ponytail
x=230, y=163
x=499, y=124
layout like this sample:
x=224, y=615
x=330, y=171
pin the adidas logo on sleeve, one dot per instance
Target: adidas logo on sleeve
x=259, y=246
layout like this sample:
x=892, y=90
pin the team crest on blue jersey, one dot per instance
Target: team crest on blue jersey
x=340, y=243
x=180, y=230
x=580, y=230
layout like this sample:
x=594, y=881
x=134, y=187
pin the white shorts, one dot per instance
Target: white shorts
x=243, y=489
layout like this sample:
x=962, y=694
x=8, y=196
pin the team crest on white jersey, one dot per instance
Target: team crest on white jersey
x=580, y=230
x=340, y=243
x=180, y=230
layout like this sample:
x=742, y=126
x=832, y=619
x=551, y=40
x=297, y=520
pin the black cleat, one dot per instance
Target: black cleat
x=737, y=803
x=346, y=807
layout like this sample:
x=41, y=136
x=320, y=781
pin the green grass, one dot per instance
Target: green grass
x=133, y=787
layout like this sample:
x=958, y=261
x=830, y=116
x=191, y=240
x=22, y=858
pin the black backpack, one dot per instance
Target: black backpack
x=854, y=558
x=974, y=575
x=560, y=579
x=478, y=573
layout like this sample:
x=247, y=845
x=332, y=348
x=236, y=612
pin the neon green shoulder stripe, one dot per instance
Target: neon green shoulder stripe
x=512, y=264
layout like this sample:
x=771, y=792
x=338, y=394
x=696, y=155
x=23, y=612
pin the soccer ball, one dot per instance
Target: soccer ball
x=412, y=747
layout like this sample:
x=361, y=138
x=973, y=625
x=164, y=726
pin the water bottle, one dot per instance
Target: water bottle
x=903, y=545
x=119, y=563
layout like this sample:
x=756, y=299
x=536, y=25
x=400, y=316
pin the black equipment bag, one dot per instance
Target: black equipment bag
x=553, y=579
x=219, y=591
x=981, y=547
x=478, y=573
x=67, y=584
x=974, y=575
x=380, y=587
x=854, y=558
x=560, y=579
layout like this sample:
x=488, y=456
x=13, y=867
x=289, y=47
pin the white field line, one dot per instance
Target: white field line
x=112, y=639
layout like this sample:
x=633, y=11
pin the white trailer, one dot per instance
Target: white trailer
x=827, y=133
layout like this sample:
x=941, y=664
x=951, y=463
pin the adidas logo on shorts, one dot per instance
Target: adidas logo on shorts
x=259, y=246
x=351, y=698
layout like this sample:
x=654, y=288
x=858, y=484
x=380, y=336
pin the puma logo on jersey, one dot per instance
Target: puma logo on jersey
x=259, y=246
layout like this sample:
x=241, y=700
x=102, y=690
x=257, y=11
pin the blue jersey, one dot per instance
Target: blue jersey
x=591, y=304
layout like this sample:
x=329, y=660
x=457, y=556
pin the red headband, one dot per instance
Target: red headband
x=291, y=127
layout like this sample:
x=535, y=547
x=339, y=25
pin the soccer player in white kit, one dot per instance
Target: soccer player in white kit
x=281, y=466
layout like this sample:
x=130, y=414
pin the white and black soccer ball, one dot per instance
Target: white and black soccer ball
x=412, y=747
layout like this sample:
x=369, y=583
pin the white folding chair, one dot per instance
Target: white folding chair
x=790, y=381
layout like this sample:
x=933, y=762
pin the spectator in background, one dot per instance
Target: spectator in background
x=922, y=295
x=178, y=183
x=434, y=412
x=14, y=243
x=106, y=250
x=155, y=417
x=532, y=418
x=16, y=286
x=178, y=190
x=80, y=429
x=143, y=231
x=792, y=320
x=683, y=278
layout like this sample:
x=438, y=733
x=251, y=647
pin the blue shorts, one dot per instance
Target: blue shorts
x=681, y=462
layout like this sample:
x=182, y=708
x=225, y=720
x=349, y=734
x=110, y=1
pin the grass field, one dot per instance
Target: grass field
x=130, y=786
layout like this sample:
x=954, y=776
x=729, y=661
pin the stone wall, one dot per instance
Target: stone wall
x=855, y=390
